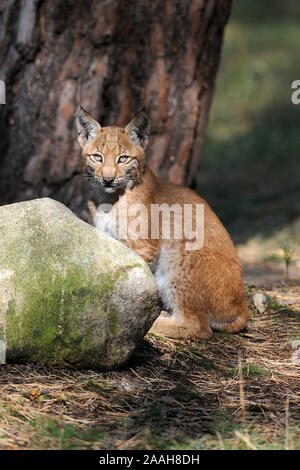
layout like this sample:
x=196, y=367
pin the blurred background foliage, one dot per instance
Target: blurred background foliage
x=249, y=169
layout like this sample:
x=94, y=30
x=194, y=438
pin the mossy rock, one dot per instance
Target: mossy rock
x=70, y=294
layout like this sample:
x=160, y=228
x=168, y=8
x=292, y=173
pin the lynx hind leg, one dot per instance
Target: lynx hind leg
x=233, y=326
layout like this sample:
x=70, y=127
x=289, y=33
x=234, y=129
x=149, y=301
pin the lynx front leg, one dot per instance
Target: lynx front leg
x=93, y=211
x=184, y=322
x=147, y=251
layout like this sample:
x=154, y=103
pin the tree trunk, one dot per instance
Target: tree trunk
x=113, y=57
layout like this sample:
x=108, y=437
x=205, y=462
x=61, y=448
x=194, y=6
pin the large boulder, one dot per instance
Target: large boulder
x=69, y=294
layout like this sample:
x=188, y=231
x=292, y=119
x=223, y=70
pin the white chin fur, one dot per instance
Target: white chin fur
x=110, y=190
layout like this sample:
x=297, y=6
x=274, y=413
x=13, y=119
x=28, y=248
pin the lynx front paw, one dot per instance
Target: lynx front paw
x=170, y=326
x=164, y=314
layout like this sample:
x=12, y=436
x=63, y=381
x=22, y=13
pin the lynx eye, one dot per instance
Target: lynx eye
x=123, y=159
x=96, y=157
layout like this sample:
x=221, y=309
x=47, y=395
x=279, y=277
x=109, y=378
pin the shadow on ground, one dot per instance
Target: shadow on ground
x=172, y=395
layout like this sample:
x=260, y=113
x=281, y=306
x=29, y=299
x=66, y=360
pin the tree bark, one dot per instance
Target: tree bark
x=113, y=57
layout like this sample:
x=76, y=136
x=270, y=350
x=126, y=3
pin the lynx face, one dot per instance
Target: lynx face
x=113, y=157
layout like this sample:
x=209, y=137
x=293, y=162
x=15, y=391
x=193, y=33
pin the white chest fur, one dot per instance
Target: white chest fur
x=106, y=221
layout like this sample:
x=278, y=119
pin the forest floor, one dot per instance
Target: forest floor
x=231, y=392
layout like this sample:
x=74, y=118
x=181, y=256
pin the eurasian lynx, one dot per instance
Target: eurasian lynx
x=197, y=271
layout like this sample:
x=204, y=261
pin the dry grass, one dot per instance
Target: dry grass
x=233, y=391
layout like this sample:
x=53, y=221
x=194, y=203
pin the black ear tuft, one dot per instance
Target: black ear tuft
x=139, y=128
x=87, y=127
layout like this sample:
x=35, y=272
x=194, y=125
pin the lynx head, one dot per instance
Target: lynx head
x=113, y=156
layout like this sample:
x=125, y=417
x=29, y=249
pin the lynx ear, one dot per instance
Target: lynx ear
x=139, y=129
x=87, y=127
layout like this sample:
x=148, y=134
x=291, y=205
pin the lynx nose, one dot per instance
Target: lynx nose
x=107, y=180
